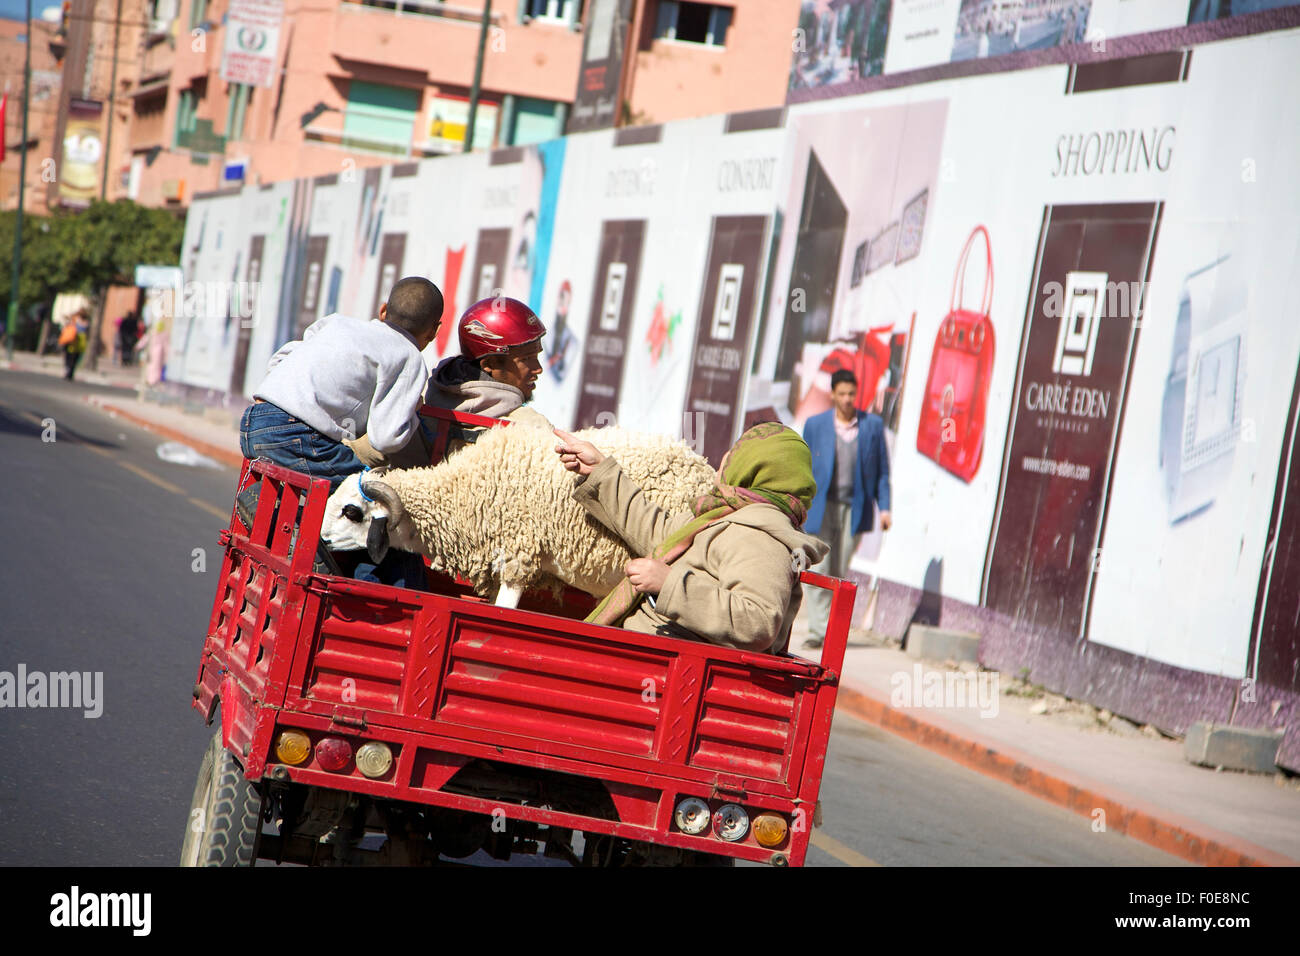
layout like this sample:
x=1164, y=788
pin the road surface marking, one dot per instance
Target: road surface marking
x=841, y=852
x=149, y=476
x=129, y=466
x=210, y=509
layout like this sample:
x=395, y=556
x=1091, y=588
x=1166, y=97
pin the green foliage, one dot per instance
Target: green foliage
x=86, y=251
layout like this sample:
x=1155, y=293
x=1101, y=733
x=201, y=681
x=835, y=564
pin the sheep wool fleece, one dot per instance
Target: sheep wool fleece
x=502, y=508
x=736, y=585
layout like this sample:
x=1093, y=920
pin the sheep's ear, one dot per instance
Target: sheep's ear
x=377, y=539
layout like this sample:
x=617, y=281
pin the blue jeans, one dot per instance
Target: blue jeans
x=268, y=431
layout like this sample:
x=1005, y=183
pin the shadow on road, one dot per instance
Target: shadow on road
x=37, y=426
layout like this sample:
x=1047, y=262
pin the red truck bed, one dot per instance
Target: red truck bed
x=462, y=692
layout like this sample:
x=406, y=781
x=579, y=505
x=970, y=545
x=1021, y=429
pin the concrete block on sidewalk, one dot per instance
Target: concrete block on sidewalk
x=1233, y=748
x=936, y=643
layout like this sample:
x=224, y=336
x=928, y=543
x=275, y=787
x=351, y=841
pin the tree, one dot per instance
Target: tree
x=89, y=250
x=86, y=251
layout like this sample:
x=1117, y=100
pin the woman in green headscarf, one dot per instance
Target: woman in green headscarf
x=728, y=570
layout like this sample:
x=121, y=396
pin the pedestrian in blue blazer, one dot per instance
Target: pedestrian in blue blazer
x=850, y=464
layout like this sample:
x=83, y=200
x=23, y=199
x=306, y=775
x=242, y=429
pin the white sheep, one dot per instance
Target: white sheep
x=500, y=512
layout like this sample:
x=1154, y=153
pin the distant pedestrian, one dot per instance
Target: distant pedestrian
x=850, y=464
x=73, y=341
x=128, y=334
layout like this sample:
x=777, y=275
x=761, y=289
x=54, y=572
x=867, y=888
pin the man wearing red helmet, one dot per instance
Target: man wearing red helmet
x=500, y=361
x=499, y=364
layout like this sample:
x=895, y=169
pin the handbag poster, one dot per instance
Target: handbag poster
x=1092, y=266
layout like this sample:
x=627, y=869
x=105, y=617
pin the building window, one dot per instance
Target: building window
x=162, y=13
x=380, y=117
x=566, y=11
x=239, y=95
x=186, y=114
x=449, y=120
x=534, y=121
x=705, y=23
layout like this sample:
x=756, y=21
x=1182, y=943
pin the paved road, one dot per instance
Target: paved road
x=99, y=557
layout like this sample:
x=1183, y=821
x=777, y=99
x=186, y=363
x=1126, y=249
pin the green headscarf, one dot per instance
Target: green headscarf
x=770, y=464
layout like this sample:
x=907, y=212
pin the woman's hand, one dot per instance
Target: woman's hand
x=646, y=574
x=577, y=455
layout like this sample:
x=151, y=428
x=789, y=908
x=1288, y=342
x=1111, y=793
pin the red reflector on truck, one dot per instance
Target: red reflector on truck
x=333, y=754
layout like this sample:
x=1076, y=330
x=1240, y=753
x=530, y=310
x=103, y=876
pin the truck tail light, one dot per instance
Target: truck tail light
x=333, y=754
x=293, y=747
x=374, y=759
x=692, y=816
x=731, y=822
x=770, y=829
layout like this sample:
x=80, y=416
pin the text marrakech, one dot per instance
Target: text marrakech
x=102, y=909
x=83, y=690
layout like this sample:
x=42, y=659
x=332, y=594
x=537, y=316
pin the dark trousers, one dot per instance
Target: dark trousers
x=268, y=431
x=70, y=360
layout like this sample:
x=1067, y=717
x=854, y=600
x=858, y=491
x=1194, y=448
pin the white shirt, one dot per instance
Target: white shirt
x=350, y=377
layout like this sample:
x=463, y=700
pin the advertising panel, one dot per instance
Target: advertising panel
x=1197, y=514
x=1069, y=406
x=838, y=42
x=1275, y=639
x=253, y=281
x=83, y=152
x=614, y=288
x=595, y=105
x=714, y=397
x=251, y=52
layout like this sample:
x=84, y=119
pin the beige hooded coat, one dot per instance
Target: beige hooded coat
x=736, y=585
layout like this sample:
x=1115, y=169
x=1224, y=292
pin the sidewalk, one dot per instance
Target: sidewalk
x=1062, y=752
x=1069, y=757
x=108, y=374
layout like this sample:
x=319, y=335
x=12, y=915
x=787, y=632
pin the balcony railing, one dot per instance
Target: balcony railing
x=424, y=8
x=354, y=143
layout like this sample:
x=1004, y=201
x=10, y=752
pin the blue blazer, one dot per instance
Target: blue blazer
x=870, y=479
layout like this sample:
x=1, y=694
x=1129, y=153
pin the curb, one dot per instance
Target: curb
x=223, y=455
x=1174, y=834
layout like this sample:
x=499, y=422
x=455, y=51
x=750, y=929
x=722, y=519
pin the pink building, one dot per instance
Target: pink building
x=371, y=82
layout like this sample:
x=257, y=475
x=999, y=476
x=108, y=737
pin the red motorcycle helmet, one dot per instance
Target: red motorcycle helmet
x=494, y=326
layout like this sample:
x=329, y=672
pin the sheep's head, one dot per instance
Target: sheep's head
x=358, y=516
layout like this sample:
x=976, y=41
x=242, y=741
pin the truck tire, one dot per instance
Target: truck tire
x=225, y=817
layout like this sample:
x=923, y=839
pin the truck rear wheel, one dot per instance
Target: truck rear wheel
x=225, y=818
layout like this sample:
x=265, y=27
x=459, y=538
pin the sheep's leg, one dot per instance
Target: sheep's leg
x=508, y=596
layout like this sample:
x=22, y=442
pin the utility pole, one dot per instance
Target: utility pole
x=478, y=75
x=112, y=96
x=11, y=329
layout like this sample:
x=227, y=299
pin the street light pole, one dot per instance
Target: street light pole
x=112, y=98
x=478, y=76
x=11, y=329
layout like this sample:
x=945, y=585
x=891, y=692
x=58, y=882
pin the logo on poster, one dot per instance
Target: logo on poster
x=727, y=303
x=1076, y=340
x=615, y=278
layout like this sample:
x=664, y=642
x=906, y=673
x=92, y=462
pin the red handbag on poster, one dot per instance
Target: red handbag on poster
x=867, y=363
x=957, y=391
